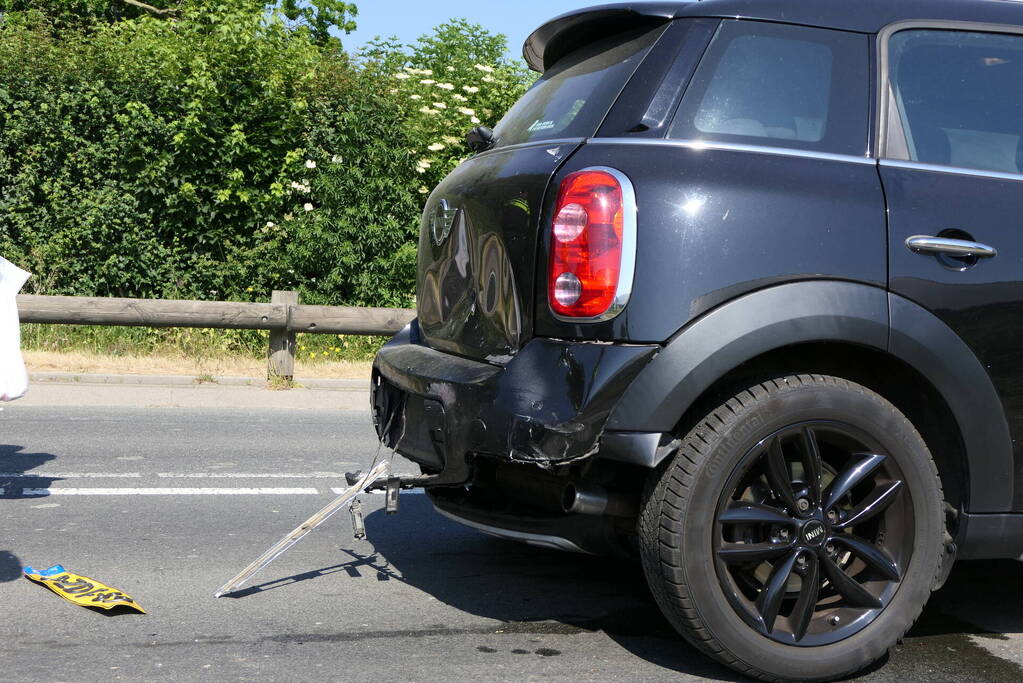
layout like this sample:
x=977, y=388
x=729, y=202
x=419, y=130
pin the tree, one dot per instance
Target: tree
x=450, y=81
x=320, y=16
x=316, y=17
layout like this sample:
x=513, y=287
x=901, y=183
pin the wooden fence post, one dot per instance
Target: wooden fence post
x=282, y=342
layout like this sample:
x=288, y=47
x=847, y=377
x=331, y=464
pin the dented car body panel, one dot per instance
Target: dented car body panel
x=547, y=406
x=477, y=244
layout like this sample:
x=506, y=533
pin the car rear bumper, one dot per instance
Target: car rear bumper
x=546, y=406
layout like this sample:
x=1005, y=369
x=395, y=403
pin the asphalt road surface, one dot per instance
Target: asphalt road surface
x=166, y=501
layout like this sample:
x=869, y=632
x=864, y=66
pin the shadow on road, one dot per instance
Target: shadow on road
x=14, y=470
x=979, y=598
x=10, y=566
x=14, y=464
x=533, y=589
x=554, y=592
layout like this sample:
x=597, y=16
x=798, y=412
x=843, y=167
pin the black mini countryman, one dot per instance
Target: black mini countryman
x=737, y=288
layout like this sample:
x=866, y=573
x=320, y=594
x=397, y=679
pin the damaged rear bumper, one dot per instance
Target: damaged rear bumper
x=546, y=406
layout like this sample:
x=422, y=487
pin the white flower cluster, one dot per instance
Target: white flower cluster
x=446, y=99
x=471, y=113
x=300, y=187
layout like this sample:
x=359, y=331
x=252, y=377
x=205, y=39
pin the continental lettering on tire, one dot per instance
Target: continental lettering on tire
x=81, y=590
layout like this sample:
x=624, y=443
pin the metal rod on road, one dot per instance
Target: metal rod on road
x=295, y=536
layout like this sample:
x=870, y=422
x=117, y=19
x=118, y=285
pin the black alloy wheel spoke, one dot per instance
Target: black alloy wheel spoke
x=812, y=466
x=814, y=533
x=740, y=512
x=745, y=553
x=809, y=592
x=855, y=594
x=779, y=476
x=872, y=555
x=850, y=477
x=773, y=592
x=877, y=502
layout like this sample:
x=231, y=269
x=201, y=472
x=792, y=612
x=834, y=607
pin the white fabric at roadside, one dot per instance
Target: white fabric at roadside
x=13, y=378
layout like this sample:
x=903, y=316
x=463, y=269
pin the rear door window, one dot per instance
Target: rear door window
x=959, y=98
x=781, y=86
x=572, y=98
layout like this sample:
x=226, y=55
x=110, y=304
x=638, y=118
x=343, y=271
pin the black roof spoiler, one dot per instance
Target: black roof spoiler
x=565, y=33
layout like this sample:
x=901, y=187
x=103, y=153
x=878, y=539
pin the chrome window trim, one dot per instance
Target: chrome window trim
x=884, y=84
x=953, y=170
x=627, y=274
x=699, y=145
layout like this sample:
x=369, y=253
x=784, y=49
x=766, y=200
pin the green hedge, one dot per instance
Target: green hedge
x=227, y=152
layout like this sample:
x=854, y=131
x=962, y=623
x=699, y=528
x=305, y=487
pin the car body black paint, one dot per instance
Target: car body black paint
x=829, y=311
x=646, y=105
x=743, y=248
x=982, y=303
x=864, y=16
x=474, y=286
x=701, y=208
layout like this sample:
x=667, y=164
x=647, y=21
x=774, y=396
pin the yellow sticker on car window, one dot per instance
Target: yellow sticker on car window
x=81, y=590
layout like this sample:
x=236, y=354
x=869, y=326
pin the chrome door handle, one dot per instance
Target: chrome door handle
x=943, y=245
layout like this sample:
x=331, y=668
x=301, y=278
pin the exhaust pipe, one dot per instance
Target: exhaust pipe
x=582, y=499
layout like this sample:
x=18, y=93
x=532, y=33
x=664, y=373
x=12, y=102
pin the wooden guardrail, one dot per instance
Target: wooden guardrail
x=283, y=317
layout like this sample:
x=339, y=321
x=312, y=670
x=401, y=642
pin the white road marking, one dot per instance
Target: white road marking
x=250, y=475
x=173, y=475
x=71, y=475
x=29, y=492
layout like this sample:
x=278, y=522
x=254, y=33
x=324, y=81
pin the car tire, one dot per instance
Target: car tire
x=733, y=559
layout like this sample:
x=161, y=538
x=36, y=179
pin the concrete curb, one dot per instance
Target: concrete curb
x=190, y=381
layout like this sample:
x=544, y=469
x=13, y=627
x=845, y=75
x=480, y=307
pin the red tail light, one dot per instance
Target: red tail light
x=593, y=245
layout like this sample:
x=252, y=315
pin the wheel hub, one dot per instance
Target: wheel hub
x=814, y=533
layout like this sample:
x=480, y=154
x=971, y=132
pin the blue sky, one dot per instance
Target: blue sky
x=409, y=19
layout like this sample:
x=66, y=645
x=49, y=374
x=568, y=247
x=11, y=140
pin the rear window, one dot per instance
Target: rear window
x=780, y=85
x=572, y=97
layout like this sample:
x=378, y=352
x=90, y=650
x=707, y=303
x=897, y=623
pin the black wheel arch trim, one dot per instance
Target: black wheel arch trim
x=827, y=310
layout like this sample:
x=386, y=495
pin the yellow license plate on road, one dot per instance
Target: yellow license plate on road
x=81, y=590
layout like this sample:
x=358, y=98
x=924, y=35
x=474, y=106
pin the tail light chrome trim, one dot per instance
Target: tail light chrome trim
x=627, y=269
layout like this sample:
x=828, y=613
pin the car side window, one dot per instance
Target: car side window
x=958, y=96
x=782, y=86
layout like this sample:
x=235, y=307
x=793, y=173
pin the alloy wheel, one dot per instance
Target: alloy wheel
x=813, y=533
